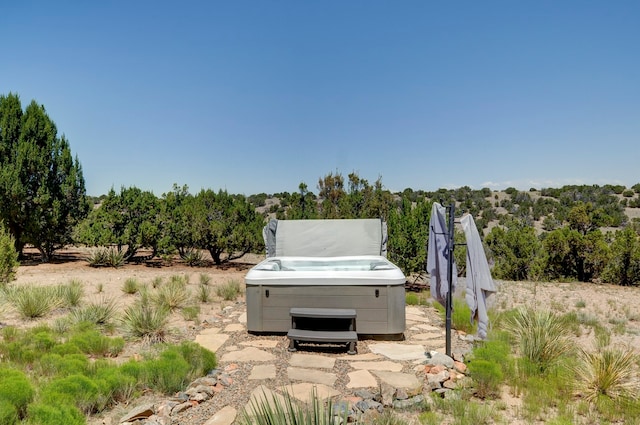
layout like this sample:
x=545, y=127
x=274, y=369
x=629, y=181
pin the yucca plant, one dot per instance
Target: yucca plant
x=607, y=372
x=205, y=279
x=203, y=294
x=100, y=312
x=193, y=258
x=541, y=336
x=72, y=293
x=130, y=286
x=274, y=411
x=173, y=295
x=146, y=321
x=33, y=302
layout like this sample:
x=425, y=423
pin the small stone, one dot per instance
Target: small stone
x=401, y=394
x=140, y=412
x=364, y=394
x=388, y=392
x=449, y=383
x=460, y=367
x=206, y=380
x=436, y=358
x=408, y=403
x=181, y=407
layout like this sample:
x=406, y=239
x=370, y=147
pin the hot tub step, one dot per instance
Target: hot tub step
x=323, y=313
x=350, y=337
x=337, y=325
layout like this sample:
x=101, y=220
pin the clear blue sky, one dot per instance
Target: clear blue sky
x=258, y=96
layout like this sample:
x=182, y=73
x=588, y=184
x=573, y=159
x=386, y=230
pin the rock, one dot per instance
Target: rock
x=450, y=384
x=460, y=367
x=206, y=380
x=401, y=394
x=224, y=416
x=436, y=358
x=140, y=412
x=388, y=392
x=364, y=394
x=408, y=403
x=181, y=407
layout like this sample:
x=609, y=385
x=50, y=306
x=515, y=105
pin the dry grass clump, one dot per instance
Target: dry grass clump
x=607, y=372
x=230, y=290
x=146, y=321
x=33, y=302
x=541, y=336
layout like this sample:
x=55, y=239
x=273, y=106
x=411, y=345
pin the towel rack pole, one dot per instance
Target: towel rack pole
x=449, y=302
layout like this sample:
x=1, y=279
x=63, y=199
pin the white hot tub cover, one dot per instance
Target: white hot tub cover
x=325, y=238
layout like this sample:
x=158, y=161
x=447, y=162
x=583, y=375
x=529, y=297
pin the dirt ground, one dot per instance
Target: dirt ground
x=617, y=308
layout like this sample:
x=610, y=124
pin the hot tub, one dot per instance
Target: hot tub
x=370, y=284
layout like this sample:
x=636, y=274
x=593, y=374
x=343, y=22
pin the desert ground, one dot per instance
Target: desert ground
x=617, y=308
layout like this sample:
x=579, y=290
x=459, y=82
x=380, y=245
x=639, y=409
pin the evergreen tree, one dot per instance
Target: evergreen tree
x=42, y=193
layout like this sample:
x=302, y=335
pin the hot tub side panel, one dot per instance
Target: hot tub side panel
x=380, y=308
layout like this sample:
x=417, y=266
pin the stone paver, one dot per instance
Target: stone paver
x=211, y=339
x=261, y=343
x=234, y=327
x=427, y=335
x=224, y=416
x=360, y=357
x=383, y=365
x=249, y=354
x=413, y=310
x=303, y=391
x=262, y=394
x=263, y=371
x=361, y=379
x=312, y=360
x=416, y=318
x=402, y=352
x=243, y=318
x=311, y=375
x=406, y=381
x=429, y=327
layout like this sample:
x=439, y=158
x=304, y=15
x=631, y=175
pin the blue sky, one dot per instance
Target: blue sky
x=258, y=96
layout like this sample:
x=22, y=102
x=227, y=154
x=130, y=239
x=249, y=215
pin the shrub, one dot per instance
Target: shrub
x=34, y=301
x=74, y=390
x=8, y=413
x=16, y=389
x=488, y=378
x=53, y=364
x=93, y=342
x=115, y=383
x=54, y=414
x=411, y=298
x=202, y=361
x=230, y=290
x=146, y=321
x=8, y=257
x=168, y=373
x=130, y=286
x=191, y=313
